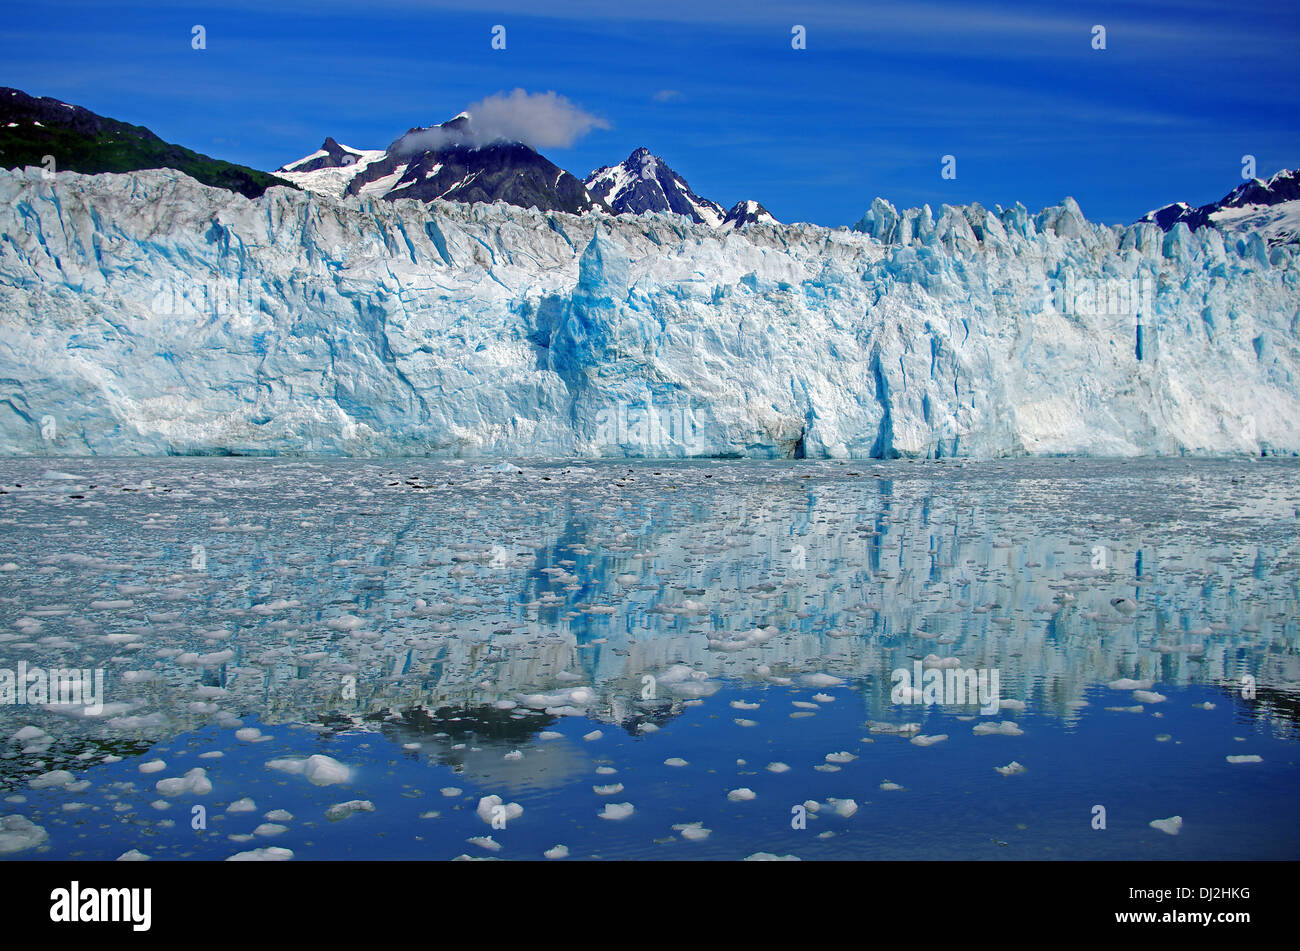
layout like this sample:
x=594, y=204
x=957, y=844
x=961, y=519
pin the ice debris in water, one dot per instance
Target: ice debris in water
x=270, y=853
x=18, y=833
x=1171, y=826
x=318, y=769
x=195, y=782
x=1006, y=728
x=492, y=807
x=692, y=831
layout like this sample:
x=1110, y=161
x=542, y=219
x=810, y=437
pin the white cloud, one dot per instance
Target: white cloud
x=544, y=120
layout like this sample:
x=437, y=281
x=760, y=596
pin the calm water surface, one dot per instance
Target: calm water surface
x=668, y=660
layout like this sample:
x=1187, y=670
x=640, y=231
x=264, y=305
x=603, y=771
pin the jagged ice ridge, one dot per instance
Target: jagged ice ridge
x=145, y=313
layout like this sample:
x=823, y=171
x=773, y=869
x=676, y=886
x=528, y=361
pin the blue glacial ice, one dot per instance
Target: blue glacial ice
x=147, y=314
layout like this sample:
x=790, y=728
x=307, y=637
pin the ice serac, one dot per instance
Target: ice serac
x=146, y=313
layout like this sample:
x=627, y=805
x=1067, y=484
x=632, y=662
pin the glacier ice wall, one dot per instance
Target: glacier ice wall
x=146, y=313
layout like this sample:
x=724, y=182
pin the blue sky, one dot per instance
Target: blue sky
x=1014, y=91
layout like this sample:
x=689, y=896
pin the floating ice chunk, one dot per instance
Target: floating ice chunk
x=887, y=786
x=844, y=808
x=325, y=771
x=485, y=842
x=744, y=705
x=593, y=735
x=242, y=805
x=771, y=857
x=133, y=855
x=1010, y=769
x=1171, y=826
x=1017, y=705
x=345, y=622
x=902, y=729
x=692, y=831
x=319, y=769
x=451, y=792
x=549, y=735
x=617, y=810
x=18, y=833
x=1250, y=758
x=1148, y=696
x=269, y=829
x=342, y=810
x=279, y=815
x=251, y=734
x=1134, y=709
x=1005, y=728
x=611, y=790
x=744, y=794
x=935, y=662
x=576, y=697
x=923, y=740
x=513, y=755
x=778, y=768
x=742, y=640
x=557, y=852
x=742, y=721
x=489, y=809
x=152, y=766
x=1124, y=683
x=55, y=777
x=823, y=698
x=270, y=853
x=840, y=757
x=821, y=680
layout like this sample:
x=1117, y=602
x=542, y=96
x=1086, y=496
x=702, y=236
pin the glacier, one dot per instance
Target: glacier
x=147, y=314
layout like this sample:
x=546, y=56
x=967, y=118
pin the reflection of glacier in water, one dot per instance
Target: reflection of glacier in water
x=669, y=636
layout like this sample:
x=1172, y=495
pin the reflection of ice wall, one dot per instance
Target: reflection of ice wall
x=360, y=588
x=149, y=314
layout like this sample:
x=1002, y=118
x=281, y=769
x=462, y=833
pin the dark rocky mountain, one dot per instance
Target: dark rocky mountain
x=82, y=141
x=744, y=213
x=1282, y=187
x=448, y=162
x=643, y=183
x=335, y=156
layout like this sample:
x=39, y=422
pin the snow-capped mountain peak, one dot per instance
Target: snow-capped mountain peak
x=747, y=213
x=445, y=162
x=1270, y=207
x=330, y=155
x=643, y=183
